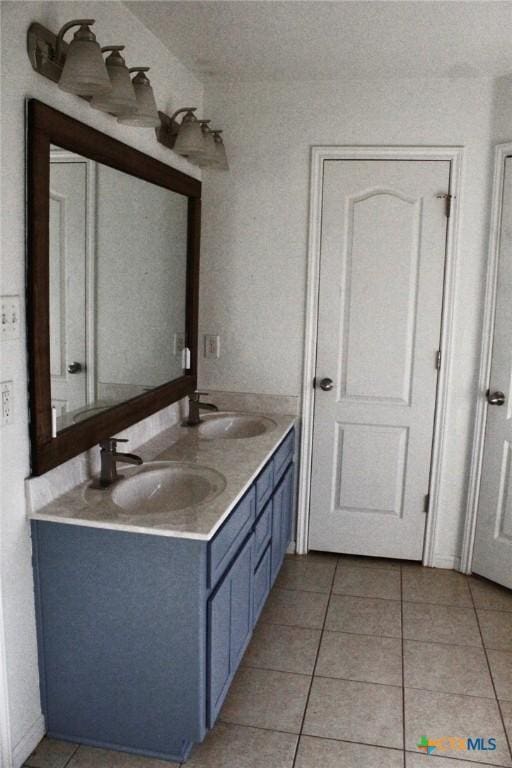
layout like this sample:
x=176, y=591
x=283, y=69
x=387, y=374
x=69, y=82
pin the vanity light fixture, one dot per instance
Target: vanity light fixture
x=206, y=157
x=146, y=114
x=189, y=140
x=192, y=138
x=79, y=68
x=121, y=100
x=220, y=160
x=83, y=72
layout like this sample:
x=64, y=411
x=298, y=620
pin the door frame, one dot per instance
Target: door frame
x=319, y=154
x=501, y=152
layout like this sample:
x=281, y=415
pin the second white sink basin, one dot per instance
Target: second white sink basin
x=166, y=486
x=234, y=426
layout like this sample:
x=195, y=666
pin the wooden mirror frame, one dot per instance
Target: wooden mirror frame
x=47, y=126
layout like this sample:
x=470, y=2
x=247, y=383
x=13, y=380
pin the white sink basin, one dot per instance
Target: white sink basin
x=165, y=486
x=234, y=426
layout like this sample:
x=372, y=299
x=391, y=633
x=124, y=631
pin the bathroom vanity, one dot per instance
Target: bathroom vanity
x=144, y=615
x=147, y=591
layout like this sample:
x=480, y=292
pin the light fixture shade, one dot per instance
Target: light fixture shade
x=189, y=141
x=220, y=160
x=146, y=115
x=121, y=100
x=206, y=157
x=84, y=72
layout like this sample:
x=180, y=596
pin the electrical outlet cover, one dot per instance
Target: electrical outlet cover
x=7, y=404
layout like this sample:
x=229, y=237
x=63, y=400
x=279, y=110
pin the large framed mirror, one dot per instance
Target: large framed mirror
x=113, y=279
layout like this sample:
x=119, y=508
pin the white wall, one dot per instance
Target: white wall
x=174, y=87
x=255, y=232
x=502, y=110
x=139, y=310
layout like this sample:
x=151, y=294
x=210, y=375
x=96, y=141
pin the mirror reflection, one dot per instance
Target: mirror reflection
x=118, y=268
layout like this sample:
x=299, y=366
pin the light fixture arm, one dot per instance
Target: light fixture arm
x=62, y=32
x=181, y=111
x=106, y=48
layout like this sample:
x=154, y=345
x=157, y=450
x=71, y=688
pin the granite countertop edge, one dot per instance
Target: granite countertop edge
x=180, y=444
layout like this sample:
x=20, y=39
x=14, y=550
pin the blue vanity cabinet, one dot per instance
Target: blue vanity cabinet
x=278, y=526
x=262, y=577
x=122, y=638
x=288, y=507
x=282, y=512
x=139, y=634
x=230, y=612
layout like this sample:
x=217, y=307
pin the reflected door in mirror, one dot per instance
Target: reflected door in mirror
x=68, y=260
x=118, y=281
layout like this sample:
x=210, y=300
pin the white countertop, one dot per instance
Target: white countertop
x=239, y=461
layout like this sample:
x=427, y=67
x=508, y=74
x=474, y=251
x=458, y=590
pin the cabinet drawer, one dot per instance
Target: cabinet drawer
x=230, y=537
x=261, y=584
x=263, y=531
x=264, y=486
x=230, y=622
x=283, y=456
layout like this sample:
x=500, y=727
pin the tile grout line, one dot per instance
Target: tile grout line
x=403, y=662
x=314, y=666
x=369, y=682
x=387, y=637
x=475, y=763
x=507, y=740
x=72, y=756
x=256, y=727
x=423, y=601
x=26, y=764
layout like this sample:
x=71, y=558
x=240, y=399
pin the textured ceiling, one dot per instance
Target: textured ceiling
x=317, y=40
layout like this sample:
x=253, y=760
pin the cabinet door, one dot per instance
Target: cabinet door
x=261, y=584
x=288, y=507
x=277, y=530
x=230, y=626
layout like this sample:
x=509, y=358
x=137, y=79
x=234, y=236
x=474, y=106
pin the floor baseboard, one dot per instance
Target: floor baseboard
x=451, y=562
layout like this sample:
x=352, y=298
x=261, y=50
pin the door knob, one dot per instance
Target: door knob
x=495, y=398
x=75, y=367
x=326, y=384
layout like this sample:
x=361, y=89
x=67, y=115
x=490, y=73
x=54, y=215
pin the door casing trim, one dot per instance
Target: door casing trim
x=59, y=155
x=501, y=152
x=319, y=154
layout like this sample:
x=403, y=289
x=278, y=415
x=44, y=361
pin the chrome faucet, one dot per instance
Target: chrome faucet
x=109, y=457
x=194, y=407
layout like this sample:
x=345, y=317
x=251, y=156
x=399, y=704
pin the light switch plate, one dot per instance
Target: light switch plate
x=211, y=346
x=9, y=317
x=7, y=411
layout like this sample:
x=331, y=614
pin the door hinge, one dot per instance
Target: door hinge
x=426, y=503
x=438, y=359
x=448, y=202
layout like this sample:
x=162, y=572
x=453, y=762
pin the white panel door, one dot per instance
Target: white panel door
x=67, y=285
x=381, y=290
x=493, y=543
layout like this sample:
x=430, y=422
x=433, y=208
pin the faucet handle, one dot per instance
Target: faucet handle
x=197, y=394
x=109, y=443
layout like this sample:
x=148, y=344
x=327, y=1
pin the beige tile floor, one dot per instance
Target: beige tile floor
x=353, y=660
